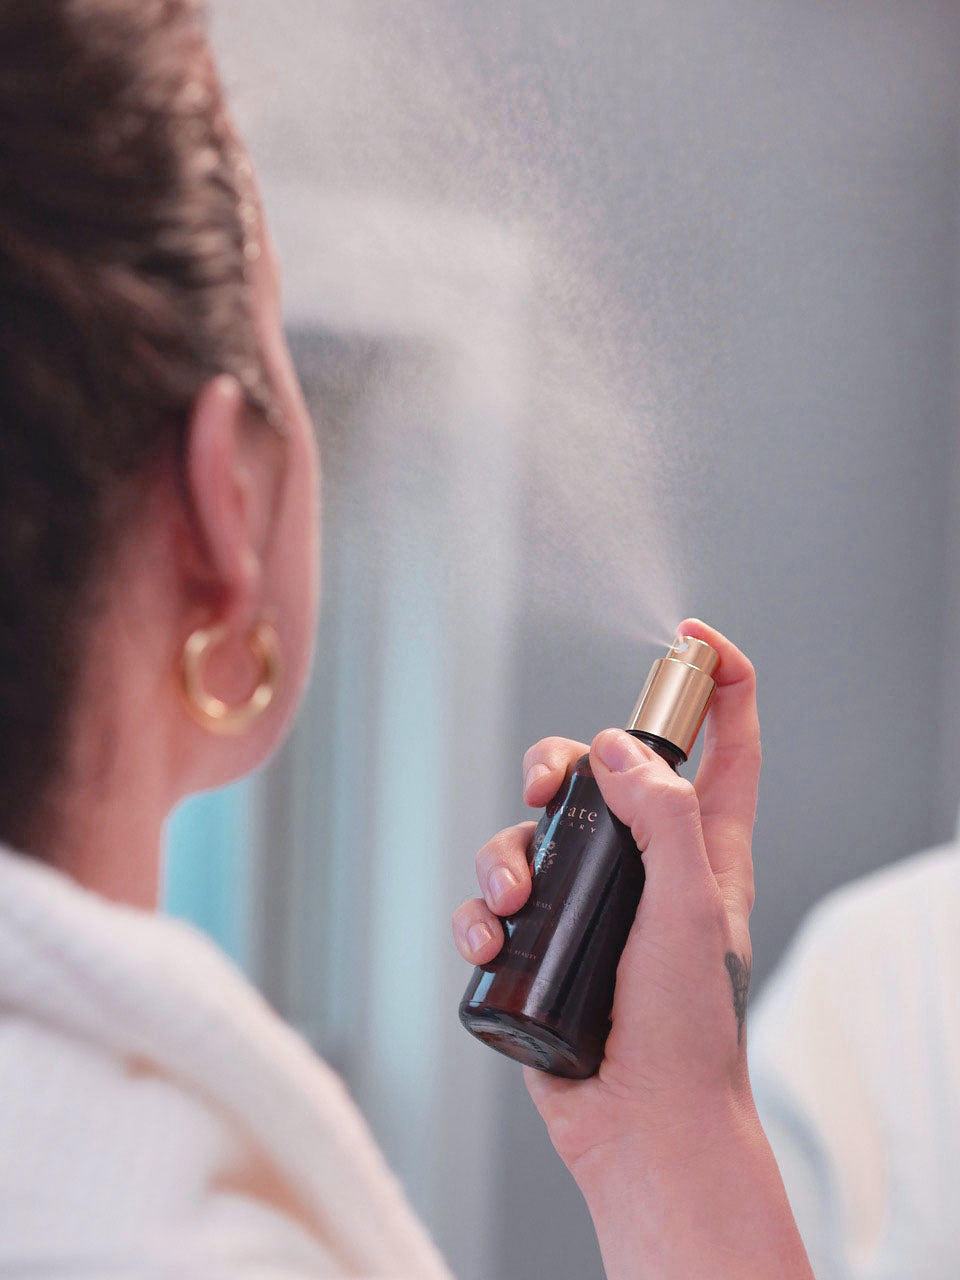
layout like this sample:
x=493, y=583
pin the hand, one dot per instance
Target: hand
x=674, y=1068
x=664, y=1141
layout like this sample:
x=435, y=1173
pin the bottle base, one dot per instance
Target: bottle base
x=531, y=1042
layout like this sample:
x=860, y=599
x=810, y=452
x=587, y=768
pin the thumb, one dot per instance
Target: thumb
x=661, y=809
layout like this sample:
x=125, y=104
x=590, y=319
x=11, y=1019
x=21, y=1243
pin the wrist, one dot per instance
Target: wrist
x=668, y=1141
x=699, y=1197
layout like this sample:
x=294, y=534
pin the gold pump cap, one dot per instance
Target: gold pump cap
x=674, y=700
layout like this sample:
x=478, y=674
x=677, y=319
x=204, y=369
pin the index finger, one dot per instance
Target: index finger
x=727, y=779
x=544, y=767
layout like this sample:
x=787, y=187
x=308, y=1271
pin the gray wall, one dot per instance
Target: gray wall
x=743, y=352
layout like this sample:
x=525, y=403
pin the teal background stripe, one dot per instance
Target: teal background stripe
x=206, y=874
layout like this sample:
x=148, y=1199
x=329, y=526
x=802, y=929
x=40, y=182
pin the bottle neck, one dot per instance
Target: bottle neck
x=671, y=753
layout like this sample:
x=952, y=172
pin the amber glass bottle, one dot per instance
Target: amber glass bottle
x=546, y=998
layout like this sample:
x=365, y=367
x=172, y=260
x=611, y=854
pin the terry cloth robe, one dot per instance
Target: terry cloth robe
x=158, y=1120
x=854, y=1051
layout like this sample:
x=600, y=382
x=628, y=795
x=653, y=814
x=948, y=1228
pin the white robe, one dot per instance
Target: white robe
x=158, y=1120
x=854, y=1051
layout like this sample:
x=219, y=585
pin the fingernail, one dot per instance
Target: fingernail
x=478, y=935
x=502, y=880
x=534, y=774
x=618, y=751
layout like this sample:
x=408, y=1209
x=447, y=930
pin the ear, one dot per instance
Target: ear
x=224, y=506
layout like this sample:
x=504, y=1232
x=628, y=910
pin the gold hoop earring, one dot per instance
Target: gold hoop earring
x=213, y=713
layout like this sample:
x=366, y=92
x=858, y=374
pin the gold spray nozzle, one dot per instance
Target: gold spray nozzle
x=673, y=702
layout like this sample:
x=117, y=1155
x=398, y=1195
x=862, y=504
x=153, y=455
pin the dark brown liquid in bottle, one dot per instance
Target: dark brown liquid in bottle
x=546, y=998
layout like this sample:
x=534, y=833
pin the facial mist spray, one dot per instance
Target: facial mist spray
x=546, y=998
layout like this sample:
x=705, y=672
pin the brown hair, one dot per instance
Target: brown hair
x=123, y=288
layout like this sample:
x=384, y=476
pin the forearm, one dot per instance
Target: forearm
x=713, y=1208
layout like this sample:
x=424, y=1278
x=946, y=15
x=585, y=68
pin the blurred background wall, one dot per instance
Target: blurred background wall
x=606, y=313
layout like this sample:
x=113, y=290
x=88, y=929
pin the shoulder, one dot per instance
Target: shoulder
x=874, y=962
x=153, y=1101
x=849, y=1045
x=880, y=932
x=924, y=881
x=873, y=967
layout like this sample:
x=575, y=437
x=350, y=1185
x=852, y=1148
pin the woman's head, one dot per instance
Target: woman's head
x=157, y=467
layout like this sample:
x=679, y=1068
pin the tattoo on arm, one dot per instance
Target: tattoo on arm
x=738, y=968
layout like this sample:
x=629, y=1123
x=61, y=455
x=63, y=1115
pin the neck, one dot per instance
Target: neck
x=119, y=784
x=114, y=850
x=108, y=831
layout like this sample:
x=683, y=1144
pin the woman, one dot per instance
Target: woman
x=158, y=499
